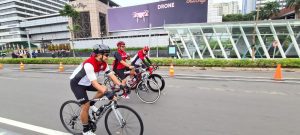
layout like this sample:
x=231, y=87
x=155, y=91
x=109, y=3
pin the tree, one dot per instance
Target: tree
x=232, y=17
x=70, y=12
x=269, y=9
x=294, y=4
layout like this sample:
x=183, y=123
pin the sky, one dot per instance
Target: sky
x=125, y=3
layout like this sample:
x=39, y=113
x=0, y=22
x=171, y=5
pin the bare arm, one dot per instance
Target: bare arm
x=99, y=87
x=124, y=63
x=114, y=79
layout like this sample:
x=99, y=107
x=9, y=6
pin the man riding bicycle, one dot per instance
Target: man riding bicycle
x=84, y=78
x=139, y=58
x=120, y=66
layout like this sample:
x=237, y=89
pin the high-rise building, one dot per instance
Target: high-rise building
x=260, y=3
x=227, y=8
x=248, y=6
x=213, y=14
x=12, y=12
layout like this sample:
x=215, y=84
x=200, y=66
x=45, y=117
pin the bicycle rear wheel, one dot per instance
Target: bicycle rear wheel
x=146, y=94
x=131, y=122
x=70, y=117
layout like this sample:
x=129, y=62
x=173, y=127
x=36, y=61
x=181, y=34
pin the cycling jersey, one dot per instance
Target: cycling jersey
x=120, y=55
x=88, y=71
x=139, y=58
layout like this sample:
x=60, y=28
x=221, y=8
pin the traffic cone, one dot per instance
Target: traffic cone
x=171, y=71
x=61, y=67
x=278, y=74
x=22, y=67
x=1, y=66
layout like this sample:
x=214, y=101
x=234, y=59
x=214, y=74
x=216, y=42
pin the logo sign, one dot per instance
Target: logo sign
x=140, y=15
x=166, y=5
x=78, y=5
x=195, y=1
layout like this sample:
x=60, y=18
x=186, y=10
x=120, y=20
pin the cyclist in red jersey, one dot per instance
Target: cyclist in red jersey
x=84, y=78
x=139, y=58
x=119, y=65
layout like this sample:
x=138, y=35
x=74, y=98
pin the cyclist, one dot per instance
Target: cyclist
x=120, y=65
x=84, y=78
x=139, y=58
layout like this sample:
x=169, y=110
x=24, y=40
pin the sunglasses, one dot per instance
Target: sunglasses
x=106, y=54
x=123, y=46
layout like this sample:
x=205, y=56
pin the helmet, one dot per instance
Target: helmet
x=120, y=43
x=101, y=48
x=146, y=48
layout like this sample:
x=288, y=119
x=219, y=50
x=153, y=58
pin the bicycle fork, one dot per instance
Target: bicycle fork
x=119, y=117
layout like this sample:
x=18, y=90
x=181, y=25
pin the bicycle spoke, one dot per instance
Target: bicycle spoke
x=69, y=115
x=132, y=126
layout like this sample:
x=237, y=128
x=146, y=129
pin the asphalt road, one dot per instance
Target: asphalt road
x=187, y=106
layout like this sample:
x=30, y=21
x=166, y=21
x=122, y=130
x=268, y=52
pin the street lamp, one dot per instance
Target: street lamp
x=42, y=45
x=254, y=32
x=29, y=46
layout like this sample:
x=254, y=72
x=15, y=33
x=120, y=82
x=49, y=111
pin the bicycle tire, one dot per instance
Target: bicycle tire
x=121, y=109
x=159, y=77
x=69, y=124
x=144, y=91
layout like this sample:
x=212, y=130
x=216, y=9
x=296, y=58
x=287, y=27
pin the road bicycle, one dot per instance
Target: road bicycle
x=119, y=119
x=147, y=90
x=156, y=77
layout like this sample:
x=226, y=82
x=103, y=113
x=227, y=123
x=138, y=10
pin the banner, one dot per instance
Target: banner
x=157, y=14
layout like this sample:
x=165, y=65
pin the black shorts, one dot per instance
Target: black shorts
x=80, y=91
x=120, y=72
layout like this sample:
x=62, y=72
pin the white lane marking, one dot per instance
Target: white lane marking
x=31, y=127
x=2, y=77
x=245, y=91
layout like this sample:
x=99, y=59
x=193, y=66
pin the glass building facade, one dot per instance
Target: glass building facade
x=237, y=40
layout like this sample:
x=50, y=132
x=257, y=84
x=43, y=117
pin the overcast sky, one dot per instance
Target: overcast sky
x=125, y=3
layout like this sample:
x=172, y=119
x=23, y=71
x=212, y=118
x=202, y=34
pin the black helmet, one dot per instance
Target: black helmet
x=101, y=48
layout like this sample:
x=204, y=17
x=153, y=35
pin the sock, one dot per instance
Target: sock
x=92, y=103
x=86, y=127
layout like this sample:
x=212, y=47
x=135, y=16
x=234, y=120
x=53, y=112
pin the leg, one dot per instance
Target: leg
x=81, y=95
x=98, y=94
x=84, y=115
x=121, y=75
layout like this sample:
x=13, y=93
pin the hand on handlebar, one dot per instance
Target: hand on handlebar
x=131, y=67
x=110, y=95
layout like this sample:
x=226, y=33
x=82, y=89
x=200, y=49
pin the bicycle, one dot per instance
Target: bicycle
x=115, y=114
x=156, y=77
x=146, y=89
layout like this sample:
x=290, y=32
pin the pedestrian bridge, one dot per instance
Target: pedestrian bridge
x=237, y=40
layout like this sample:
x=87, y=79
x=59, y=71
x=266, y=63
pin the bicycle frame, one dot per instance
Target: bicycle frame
x=112, y=105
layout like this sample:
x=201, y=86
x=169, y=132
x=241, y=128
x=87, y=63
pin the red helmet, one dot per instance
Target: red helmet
x=146, y=48
x=120, y=43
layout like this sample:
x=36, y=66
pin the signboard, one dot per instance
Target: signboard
x=172, y=49
x=157, y=14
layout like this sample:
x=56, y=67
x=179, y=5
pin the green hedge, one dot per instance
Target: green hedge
x=263, y=63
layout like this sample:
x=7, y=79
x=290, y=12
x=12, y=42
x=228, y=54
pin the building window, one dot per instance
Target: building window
x=85, y=25
x=102, y=20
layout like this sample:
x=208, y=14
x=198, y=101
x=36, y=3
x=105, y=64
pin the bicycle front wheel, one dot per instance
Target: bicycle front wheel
x=146, y=93
x=70, y=117
x=123, y=121
x=159, y=80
